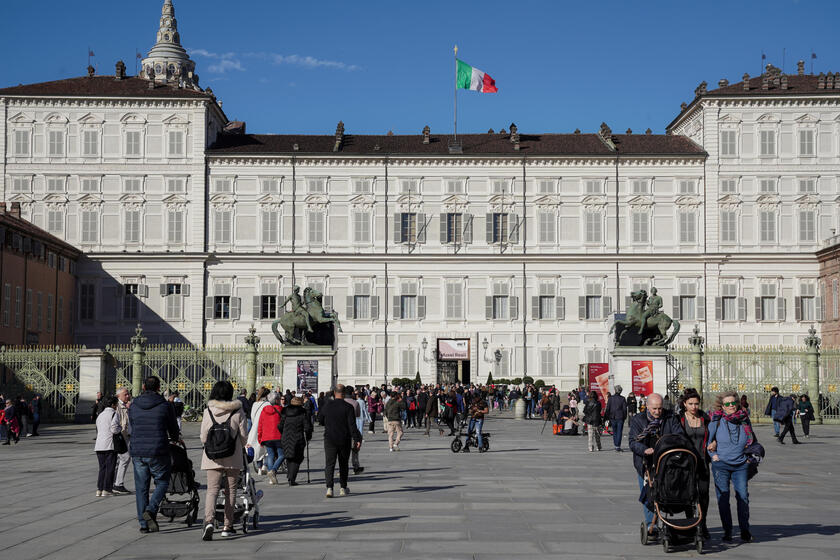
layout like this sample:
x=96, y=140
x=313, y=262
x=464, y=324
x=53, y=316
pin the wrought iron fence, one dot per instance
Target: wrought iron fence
x=51, y=372
x=270, y=368
x=829, y=398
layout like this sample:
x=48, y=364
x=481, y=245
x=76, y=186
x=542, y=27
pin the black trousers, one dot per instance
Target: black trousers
x=331, y=453
x=451, y=423
x=372, y=422
x=107, y=470
x=292, y=469
x=788, y=427
x=703, y=487
x=806, y=425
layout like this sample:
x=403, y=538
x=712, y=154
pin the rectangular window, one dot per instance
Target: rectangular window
x=408, y=306
x=271, y=185
x=688, y=307
x=835, y=299
x=728, y=143
x=641, y=227
x=133, y=185
x=174, y=301
x=807, y=185
x=176, y=185
x=132, y=226
x=807, y=302
x=90, y=226
x=316, y=227
x=768, y=143
x=89, y=184
x=175, y=226
x=688, y=227
x=131, y=304
x=39, y=311
x=55, y=144
x=49, y=312
x=20, y=184
x=18, y=304
x=87, y=302
x=687, y=187
x=593, y=187
x=408, y=358
x=546, y=186
x=409, y=186
x=593, y=307
x=55, y=184
x=7, y=304
x=548, y=366
x=639, y=187
x=729, y=302
x=21, y=143
x=767, y=186
x=806, y=143
x=500, y=228
x=361, y=227
x=547, y=303
x=361, y=363
x=316, y=185
x=90, y=143
x=501, y=301
x=270, y=227
x=454, y=301
x=728, y=186
x=59, y=315
x=223, y=186
x=768, y=302
x=132, y=143
x=176, y=144
x=767, y=221
x=221, y=307
x=28, y=323
x=223, y=225
x=453, y=186
x=807, y=226
x=499, y=186
x=548, y=227
x=593, y=227
x=362, y=186
x=361, y=306
x=408, y=227
x=268, y=307
x=454, y=228
x=728, y=226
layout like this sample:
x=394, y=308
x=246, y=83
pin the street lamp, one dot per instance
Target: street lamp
x=485, y=344
x=425, y=345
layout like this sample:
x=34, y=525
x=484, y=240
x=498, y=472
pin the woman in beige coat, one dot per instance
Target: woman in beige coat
x=222, y=406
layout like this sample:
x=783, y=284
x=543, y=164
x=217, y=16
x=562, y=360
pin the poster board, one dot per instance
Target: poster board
x=307, y=376
x=453, y=349
x=642, y=376
x=600, y=381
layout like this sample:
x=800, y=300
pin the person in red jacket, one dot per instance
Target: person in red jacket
x=268, y=434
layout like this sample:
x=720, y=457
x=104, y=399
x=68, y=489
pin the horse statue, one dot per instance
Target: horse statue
x=307, y=323
x=651, y=324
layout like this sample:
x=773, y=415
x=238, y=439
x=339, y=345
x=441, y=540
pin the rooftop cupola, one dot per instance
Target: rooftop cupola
x=168, y=62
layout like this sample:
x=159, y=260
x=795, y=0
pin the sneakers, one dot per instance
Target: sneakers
x=292, y=483
x=99, y=493
x=727, y=537
x=228, y=532
x=396, y=448
x=151, y=522
x=272, y=477
x=391, y=449
x=207, y=535
x=746, y=536
x=263, y=470
x=344, y=492
x=107, y=494
x=329, y=492
x=121, y=490
x=359, y=470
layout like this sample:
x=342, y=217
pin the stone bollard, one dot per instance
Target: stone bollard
x=519, y=409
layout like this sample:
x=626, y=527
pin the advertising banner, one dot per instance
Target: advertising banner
x=307, y=376
x=642, y=377
x=453, y=349
x=599, y=381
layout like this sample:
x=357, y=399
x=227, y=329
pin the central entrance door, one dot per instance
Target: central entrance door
x=453, y=360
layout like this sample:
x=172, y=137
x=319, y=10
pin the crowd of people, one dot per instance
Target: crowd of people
x=19, y=418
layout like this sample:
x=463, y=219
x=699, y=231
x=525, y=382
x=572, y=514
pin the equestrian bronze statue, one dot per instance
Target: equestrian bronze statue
x=646, y=324
x=306, y=323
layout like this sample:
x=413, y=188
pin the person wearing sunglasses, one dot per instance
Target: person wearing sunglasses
x=730, y=433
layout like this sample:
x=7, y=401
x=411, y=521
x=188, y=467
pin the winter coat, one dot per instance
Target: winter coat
x=632, y=405
x=122, y=412
x=253, y=440
x=268, y=432
x=637, y=426
x=393, y=410
x=295, y=426
x=784, y=409
x=222, y=410
x=153, y=425
x=592, y=413
x=616, y=408
x=107, y=424
x=772, y=403
x=432, y=406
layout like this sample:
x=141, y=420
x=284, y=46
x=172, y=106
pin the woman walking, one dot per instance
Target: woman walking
x=224, y=410
x=806, y=414
x=695, y=425
x=375, y=407
x=107, y=424
x=296, y=428
x=270, y=436
x=253, y=439
x=632, y=406
x=592, y=418
x=730, y=433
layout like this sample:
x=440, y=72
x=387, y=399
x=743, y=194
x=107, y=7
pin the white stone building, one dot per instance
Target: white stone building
x=529, y=242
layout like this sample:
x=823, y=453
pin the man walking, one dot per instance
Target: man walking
x=123, y=399
x=350, y=398
x=340, y=436
x=35, y=408
x=784, y=416
x=770, y=410
x=394, y=409
x=616, y=413
x=153, y=426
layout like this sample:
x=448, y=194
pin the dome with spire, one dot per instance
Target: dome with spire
x=167, y=61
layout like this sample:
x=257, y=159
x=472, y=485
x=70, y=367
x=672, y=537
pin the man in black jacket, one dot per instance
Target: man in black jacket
x=153, y=426
x=340, y=436
x=784, y=415
x=616, y=413
x=770, y=410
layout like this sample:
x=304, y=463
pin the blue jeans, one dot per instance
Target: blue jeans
x=274, y=457
x=737, y=474
x=777, y=427
x=618, y=430
x=529, y=407
x=145, y=469
x=477, y=425
x=648, y=513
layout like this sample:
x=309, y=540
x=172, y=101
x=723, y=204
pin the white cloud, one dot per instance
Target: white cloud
x=305, y=61
x=225, y=61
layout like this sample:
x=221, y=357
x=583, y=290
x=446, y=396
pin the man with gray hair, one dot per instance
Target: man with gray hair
x=123, y=459
x=616, y=413
x=340, y=436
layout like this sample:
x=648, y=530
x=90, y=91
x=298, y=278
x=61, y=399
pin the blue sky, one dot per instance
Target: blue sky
x=300, y=67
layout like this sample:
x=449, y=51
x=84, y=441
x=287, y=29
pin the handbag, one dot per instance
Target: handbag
x=120, y=445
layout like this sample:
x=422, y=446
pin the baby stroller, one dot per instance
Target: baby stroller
x=246, y=504
x=671, y=489
x=181, y=499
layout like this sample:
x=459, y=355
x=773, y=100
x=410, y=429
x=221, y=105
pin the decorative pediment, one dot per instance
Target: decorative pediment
x=21, y=197
x=688, y=200
x=548, y=200
x=175, y=199
x=595, y=200
x=640, y=200
x=729, y=119
x=729, y=199
x=807, y=118
x=89, y=200
x=175, y=119
x=363, y=200
x=132, y=198
x=455, y=203
x=22, y=118
x=55, y=198
x=270, y=198
x=407, y=198
x=768, y=118
x=768, y=200
x=56, y=118
x=317, y=200
x=502, y=199
x=222, y=198
x=809, y=200
x=133, y=118
x=90, y=118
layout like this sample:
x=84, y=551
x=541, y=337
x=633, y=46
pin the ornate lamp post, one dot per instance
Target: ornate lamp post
x=138, y=343
x=252, y=340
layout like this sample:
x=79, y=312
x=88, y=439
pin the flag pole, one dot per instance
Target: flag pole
x=455, y=93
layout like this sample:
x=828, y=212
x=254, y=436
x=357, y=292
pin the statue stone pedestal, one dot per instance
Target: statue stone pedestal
x=299, y=365
x=621, y=366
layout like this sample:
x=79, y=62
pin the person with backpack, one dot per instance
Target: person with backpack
x=224, y=432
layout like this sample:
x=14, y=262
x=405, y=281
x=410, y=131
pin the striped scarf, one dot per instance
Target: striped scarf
x=739, y=417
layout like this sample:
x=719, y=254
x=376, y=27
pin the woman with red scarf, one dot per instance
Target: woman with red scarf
x=730, y=433
x=695, y=426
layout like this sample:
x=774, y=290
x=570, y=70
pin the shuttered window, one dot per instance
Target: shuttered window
x=361, y=226
x=131, y=231
x=175, y=226
x=454, y=300
x=548, y=362
x=133, y=144
x=767, y=143
x=55, y=145
x=807, y=226
x=21, y=142
x=547, y=227
x=641, y=227
x=688, y=227
x=728, y=186
x=90, y=226
x=90, y=143
x=593, y=227
x=223, y=225
x=728, y=226
x=175, y=145
x=270, y=226
x=767, y=225
x=806, y=143
x=728, y=143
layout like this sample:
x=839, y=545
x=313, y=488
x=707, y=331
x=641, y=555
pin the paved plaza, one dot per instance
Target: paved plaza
x=532, y=495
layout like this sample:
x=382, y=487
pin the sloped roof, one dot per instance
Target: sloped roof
x=24, y=227
x=102, y=86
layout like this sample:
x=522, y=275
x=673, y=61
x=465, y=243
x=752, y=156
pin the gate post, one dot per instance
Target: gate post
x=696, y=342
x=252, y=340
x=812, y=347
x=138, y=343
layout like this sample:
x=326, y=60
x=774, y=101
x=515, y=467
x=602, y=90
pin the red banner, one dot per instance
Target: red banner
x=642, y=377
x=599, y=381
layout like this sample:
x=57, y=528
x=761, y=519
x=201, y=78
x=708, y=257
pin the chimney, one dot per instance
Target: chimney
x=514, y=135
x=829, y=81
x=629, y=131
x=2, y=207
x=746, y=79
x=683, y=106
x=821, y=81
x=503, y=132
x=800, y=67
x=648, y=132
x=837, y=80
x=427, y=134
x=119, y=71
x=701, y=89
x=784, y=84
x=723, y=83
x=15, y=213
x=765, y=82
x=91, y=71
x=491, y=131
x=390, y=133
x=577, y=131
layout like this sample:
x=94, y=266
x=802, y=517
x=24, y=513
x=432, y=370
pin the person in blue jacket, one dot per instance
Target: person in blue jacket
x=770, y=410
x=785, y=408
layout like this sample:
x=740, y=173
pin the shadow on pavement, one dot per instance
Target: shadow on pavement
x=764, y=533
x=284, y=522
x=409, y=489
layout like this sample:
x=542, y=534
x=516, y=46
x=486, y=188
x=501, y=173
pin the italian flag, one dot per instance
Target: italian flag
x=474, y=79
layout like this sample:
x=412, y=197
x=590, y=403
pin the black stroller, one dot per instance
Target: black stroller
x=181, y=498
x=670, y=490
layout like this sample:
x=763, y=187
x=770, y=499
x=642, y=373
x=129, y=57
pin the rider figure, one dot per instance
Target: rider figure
x=298, y=307
x=654, y=305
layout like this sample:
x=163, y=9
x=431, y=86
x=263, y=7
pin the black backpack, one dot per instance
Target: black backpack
x=220, y=443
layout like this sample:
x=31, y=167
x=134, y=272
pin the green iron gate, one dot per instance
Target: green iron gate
x=52, y=373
